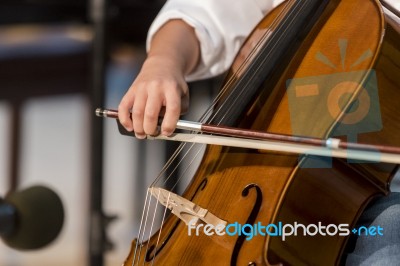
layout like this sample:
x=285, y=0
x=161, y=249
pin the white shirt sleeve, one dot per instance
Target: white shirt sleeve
x=220, y=25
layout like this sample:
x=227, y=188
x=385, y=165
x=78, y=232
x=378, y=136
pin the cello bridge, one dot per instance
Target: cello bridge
x=185, y=210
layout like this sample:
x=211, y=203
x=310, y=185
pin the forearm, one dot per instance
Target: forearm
x=176, y=43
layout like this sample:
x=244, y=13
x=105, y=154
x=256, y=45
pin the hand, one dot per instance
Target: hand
x=159, y=89
x=160, y=86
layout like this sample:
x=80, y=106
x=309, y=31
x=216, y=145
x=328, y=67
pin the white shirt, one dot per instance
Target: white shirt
x=220, y=25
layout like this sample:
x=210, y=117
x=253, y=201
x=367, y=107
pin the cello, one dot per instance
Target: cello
x=313, y=68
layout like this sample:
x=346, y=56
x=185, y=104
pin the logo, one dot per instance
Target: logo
x=346, y=102
x=279, y=230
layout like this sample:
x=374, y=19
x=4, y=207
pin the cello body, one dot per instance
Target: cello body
x=340, y=51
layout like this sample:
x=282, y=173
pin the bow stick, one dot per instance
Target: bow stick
x=243, y=138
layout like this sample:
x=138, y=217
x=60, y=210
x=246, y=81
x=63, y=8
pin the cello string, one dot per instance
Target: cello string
x=184, y=173
x=144, y=218
x=205, y=115
x=245, y=62
x=139, y=240
x=159, y=234
x=189, y=164
x=183, y=159
x=163, y=216
x=282, y=17
x=152, y=226
x=146, y=210
x=233, y=101
x=210, y=110
x=271, y=51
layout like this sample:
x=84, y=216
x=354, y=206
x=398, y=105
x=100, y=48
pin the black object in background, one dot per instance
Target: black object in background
x=31, y=218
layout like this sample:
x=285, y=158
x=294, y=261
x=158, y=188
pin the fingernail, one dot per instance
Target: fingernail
x=165, y=133
x=140, y=136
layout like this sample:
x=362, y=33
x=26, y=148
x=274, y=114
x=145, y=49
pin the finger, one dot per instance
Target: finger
x=152, y=113
x=124, y=111
x=138, y=114
x=172, y=113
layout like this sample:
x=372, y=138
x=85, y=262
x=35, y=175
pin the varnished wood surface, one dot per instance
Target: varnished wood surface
x=279, y=189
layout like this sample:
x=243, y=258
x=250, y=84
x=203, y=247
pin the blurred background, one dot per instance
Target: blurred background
x=58, y=61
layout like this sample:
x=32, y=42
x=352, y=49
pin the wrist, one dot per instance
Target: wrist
x=167, y=60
